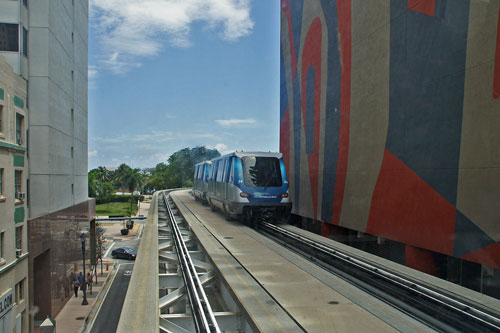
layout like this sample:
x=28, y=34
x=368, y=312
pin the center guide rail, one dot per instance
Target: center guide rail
x=435, y=309
x=203, y=315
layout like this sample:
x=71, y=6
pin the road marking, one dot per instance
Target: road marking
x=109, y=249
x=140, y=232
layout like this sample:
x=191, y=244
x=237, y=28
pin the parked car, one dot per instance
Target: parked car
x=124, y=253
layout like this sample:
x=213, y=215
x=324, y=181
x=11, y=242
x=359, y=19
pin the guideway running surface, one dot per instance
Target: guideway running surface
x=312, y=297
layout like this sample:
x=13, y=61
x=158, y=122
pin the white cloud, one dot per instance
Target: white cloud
x=222, y=148
x=232, y=122
x=132, y=29
x=92, y=153
x=92, y=72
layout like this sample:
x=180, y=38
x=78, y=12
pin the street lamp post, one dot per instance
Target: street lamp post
x=84, y=289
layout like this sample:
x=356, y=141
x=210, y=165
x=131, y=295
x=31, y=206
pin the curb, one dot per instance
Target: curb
x=91, y=314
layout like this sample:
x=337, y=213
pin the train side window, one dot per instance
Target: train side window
x=220, y=169
x=196, y=171
x=211, y=174
x=207, y=171
x=214, y=171
x=231, y=175
x=223, y=178
x=228, y=169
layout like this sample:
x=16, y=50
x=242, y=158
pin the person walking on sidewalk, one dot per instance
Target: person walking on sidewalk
x=75, y=285
x=80, y=278
x=83, y=288
x=89, y=282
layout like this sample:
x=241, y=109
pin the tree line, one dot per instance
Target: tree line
x=177, y=172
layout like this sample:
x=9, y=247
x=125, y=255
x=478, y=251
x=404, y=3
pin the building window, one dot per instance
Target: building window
x=19, y=241
x=17, y=182
x=1, y=182
x=25, y=2
x=25, y=42
x=72, y=189
x=9, y=37
x=72, y=152
x=20, y=291
x=73, y=115
x=19, y=129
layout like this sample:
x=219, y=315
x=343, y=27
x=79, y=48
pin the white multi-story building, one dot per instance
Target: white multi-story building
x=46, y=44
x=13, y=226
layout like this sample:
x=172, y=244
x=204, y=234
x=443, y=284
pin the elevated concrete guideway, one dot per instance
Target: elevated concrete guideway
x=253, y=284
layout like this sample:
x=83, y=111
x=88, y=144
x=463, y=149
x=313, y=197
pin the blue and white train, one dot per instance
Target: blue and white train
x=244, y=185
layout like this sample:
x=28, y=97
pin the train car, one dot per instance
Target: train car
x=200, y=183
x=249, y=184
x=390, y=120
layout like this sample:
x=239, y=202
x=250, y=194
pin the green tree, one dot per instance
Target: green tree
x=131, y=179
x=180, y=168
x=119, y=176
x=106, y=192
x=94, y=185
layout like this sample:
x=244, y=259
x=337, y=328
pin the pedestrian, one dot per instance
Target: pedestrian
x=89, y=282
x=75, y=285
x=83, y=288
x=80, y=278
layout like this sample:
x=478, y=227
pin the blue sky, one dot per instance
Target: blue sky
x=170, y=74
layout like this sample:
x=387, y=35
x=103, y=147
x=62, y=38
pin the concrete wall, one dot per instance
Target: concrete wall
x=389, y=120
x=13, y=213
x=58, y=85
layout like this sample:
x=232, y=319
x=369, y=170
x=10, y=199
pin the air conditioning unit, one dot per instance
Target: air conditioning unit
x=19, y=252
x=19, y=141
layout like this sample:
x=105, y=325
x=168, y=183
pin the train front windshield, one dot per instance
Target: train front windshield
x=261, y=171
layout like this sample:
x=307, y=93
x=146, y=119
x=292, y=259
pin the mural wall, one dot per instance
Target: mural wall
x=390, y=119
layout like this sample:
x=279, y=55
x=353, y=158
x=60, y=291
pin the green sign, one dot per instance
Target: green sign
x=18, y=101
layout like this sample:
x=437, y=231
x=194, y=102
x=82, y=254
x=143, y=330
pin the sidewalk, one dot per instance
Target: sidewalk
x=72, y=316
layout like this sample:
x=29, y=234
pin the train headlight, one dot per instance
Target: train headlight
x=244, y=195
x=284, y=195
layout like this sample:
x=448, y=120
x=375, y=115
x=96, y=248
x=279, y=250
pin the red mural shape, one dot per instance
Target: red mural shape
x=312, y=58
x=285, y=139
x=344, y=19
x=489, y=255
x=285, y=5
x=407, y=209
x=496, y=73
x=420, y=259
x=422, y=6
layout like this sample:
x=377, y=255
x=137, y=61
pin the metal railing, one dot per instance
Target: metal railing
x=202, y=312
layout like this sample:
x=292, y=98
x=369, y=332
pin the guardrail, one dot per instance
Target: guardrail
x=202, y=312
x=140, y=308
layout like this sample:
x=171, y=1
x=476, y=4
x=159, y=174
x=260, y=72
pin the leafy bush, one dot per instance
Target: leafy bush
x=119, y=198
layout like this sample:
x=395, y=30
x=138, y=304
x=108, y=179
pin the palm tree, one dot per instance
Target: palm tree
x=102, y=174
x=131, y=179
